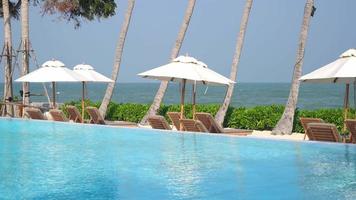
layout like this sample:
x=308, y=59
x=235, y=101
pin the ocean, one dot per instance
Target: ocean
x=311, y=96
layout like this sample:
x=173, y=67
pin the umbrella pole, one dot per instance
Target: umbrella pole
x=182, y=103
x=194, y=98
x=54, y=94
x=83, y=99
x=346, y=104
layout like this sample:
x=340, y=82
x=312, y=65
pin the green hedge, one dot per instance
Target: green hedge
x=256, y=118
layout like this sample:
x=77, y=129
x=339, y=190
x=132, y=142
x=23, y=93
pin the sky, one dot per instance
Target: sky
x=269, y=50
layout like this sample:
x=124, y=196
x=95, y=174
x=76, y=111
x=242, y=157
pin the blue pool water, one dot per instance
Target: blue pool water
x=45, y=160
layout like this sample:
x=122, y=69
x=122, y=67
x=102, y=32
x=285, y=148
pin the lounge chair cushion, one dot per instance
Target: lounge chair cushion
x=323, y=132
x=175, y=117
x=34, y=113
x=57, y=115
x=95, y=116
x=193, y=125
x=351, y=126
x=74, y=114
x=158, y=122
x=213, y=127
x=305, y=121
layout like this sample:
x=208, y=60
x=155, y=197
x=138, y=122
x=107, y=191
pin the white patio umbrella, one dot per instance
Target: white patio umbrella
x=342, y=70
x=186, y=69
x=52, y=71
x=88, y=72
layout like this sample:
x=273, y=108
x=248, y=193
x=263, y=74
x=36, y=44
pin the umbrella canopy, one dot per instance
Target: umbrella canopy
x=93, y=76
x=88, y=72
x=52, y=71
x=342, y=70
x=189, y=69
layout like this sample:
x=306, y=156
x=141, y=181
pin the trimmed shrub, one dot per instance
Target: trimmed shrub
x=334, y=116
x=256, y=118
x=128, y=112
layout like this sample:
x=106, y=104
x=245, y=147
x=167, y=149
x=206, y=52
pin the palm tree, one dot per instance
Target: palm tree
x=118, y=55
x=175, y=51
x=7, y=52
x=285, y=124
x=235, y=62
x=25, y=43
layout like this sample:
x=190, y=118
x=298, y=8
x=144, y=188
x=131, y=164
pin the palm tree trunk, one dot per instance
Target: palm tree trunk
x=233, y=74
x=8, y=54
x=25, y=43
x=285, y=124
x=118, y=54
x=175, y=51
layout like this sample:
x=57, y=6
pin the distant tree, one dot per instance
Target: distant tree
x=285, y=124
x=118, y=55
x=220, y=115
x=175, y=51
x=8, y=9
x=79, y=10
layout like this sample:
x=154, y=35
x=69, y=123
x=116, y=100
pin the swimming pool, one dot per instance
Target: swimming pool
x=45, y=160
